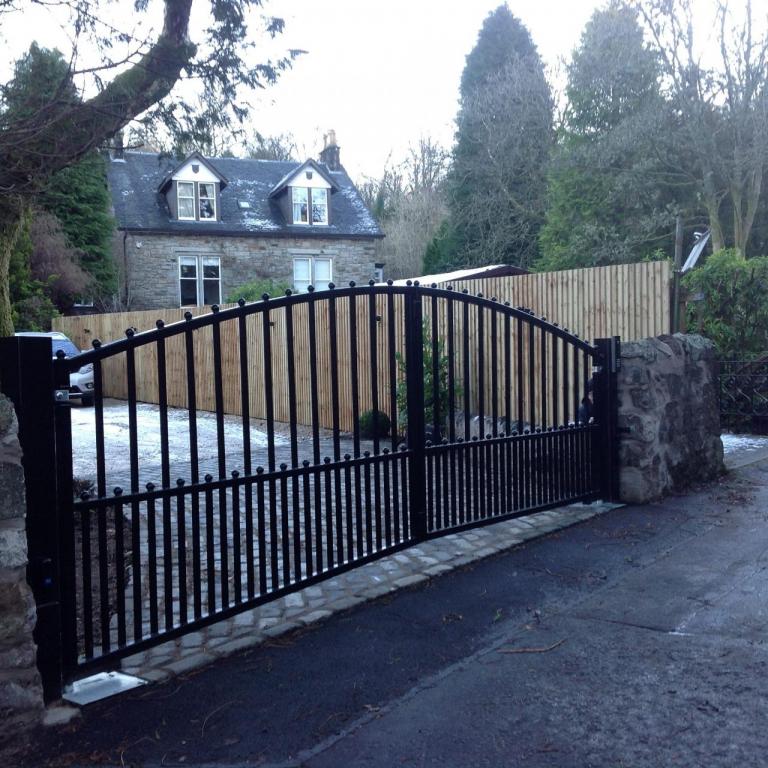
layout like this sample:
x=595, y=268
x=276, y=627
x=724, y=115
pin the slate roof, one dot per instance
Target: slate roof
x=139, y=207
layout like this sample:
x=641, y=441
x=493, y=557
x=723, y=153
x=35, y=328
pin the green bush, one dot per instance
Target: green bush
x=443, y=391
x=730, y=303
x=255, y=289
x=34, y=313
x=371, y=427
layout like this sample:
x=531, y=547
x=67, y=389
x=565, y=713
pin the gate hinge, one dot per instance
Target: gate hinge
x=61, y=395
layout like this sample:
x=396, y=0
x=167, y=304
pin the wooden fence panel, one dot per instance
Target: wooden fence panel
x=628, y=300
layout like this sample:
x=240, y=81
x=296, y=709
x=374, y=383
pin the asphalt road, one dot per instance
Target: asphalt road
x=635, y=639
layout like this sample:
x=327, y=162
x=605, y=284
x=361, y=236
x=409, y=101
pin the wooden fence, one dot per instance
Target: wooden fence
x=627, y=300
x=631, y=301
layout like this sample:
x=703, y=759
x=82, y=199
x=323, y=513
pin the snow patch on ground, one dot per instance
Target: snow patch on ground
x=733, y=443
x=117, y=440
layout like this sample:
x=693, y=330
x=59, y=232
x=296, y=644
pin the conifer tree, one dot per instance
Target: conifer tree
x=503, y=140
x=610, y=196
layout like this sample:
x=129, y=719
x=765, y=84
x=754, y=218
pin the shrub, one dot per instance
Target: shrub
x=443, y=391
x=371, y=427
x=732, y=303
x=255, y=289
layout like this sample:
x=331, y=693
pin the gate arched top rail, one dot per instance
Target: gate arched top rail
x=133, y=340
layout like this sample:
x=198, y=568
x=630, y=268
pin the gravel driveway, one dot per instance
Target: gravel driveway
x=117, y=446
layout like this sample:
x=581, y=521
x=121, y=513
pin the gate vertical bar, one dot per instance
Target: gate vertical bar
x=26, y=377
x=605, y=455
x=414, y=366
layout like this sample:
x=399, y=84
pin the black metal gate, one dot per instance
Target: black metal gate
x=494, y=413
x=744, y=396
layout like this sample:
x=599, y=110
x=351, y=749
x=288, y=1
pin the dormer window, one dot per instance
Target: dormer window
x=319, y=206
x=304, y=195
x=306, y=199
x=196, y=200
x=186, y=195
x=300, y=205
x=193, y=199
x=207, y=201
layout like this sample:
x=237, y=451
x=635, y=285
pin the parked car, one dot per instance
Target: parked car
x=80, y=381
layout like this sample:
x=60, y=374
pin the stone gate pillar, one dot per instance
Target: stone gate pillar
x=21, y=695
x=669, y=416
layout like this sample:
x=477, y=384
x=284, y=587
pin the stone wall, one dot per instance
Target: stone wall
x=150, y=264
x=21, y=696
x=668, y=416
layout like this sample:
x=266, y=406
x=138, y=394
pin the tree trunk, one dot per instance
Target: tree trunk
x=744, y=214
x=31, y=153
x=11, y=223
x=715, y=227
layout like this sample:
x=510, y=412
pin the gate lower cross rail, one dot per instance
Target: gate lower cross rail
x=411, y=413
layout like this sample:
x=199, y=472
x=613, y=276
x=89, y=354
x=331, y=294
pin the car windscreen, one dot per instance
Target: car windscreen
x=66, y=346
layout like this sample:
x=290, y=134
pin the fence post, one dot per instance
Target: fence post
x=26, y=377
x=605, y=391
x=414, y=371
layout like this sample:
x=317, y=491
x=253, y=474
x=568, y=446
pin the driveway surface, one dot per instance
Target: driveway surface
x=148, y=442
x=637, y=638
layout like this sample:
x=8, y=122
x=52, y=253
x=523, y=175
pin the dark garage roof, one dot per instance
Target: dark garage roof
x=134, y=182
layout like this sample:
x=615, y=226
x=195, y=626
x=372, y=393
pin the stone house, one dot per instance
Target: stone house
x=193, y=232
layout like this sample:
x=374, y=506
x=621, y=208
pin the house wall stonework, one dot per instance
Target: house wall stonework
x=150, y=263
x=668, y=415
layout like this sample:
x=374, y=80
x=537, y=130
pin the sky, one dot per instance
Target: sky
x=381, y=74
x=384, y=74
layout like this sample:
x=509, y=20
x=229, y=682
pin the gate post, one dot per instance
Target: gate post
x=26, y=377
x=605, y=391
x=414, y=371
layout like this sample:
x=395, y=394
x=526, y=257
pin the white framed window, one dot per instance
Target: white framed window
x=185, y=191
x=211, y=284
x=188, y=280
x=196, y=200
x=319, y=206
x=207, y=201
x=302, y=274
x=300, y=205
x=312, y=270
x=199, y=280
x=321, y=273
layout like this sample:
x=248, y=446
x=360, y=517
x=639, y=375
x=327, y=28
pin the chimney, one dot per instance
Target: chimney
x=330, y=153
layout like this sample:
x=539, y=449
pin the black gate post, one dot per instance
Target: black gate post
x=605, y=392
x=65, y=517
x=414, y=371
x=26, y=376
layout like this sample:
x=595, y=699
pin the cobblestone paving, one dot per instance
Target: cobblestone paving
x=317, y=602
